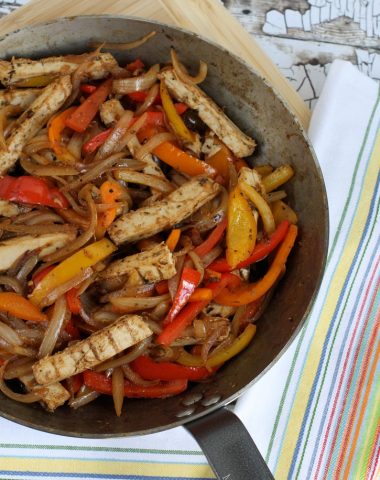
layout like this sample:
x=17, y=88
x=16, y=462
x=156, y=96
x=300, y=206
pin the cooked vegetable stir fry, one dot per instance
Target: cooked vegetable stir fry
x=138, y=244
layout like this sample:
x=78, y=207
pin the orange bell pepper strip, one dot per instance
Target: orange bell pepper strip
x=210, y=242
x=201, y=294
x=173, y=239
x=220, y=161
x=85, y=113
x=110, y=192
x=56, y=127
x=241, y=228
x=135, y=65
x=173, y=117
x=20, y=307
x=250, y=292
x=182, y=161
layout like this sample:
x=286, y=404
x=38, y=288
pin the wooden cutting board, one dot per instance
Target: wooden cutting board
x=205, y=17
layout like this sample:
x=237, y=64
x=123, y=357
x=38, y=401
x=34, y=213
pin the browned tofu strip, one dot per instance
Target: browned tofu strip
x=19, y=69
x=98, y=347
x=151, y=266
x=33, y=119
x=22, y=98
x=212, y=115
x=177, y=206
x=52, y=396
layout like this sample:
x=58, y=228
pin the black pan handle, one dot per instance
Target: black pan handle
x=229, y=447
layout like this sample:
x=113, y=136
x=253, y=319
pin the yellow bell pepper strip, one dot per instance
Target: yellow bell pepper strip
x=210, y=242
x=241, y=228
x=18, y=306
x=173, y=239
x=173, y=117
x=182, y=161
x=250, y=292
x=71, y=267
x=239, y=344
x=85, y=113
x=282, y=212
x=37, y=81
x=110, y=192
x=261, y=205
x=261, y=250
x=220, y=161
x=56, y=127
x=278, y=177
x=188, y=283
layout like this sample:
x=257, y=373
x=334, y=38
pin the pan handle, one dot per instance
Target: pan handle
x=228, y=447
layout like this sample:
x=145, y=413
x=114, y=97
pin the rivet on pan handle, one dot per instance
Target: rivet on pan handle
x=228, y=447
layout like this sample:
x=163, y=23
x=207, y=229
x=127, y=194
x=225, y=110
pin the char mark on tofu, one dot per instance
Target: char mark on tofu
x=151, y=266
x=33, y=119
x=212, y=115
x=18, y=70
x=98, y=347
x=14, y=248
x=177, y=206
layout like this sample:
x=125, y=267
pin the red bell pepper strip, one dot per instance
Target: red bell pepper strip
x=212, y=239
x=73, y=301
x=41, y=274
x=85, y=113
x=100, y=383
x=174, y=329
x=140, y=97
x=188, y=283
x=151, y=370
x=135, y=65
x=95, y=142
x=74, y=383
x=86, y=88
x=33, y=190
x=71, y=329
x=162, y=287
x=261, y=250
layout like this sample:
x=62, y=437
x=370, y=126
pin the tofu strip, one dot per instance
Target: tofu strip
x=174, y=208
x=19, y=69
x=33, y=119
x=98, y=347
x=151, y=266
x=52, y=396
x=19, y=98
x=12, y=249
x=212, y=115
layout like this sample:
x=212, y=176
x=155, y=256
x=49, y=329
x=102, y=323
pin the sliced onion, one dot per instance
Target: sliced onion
x=152, y=143
x=46, y=170
x=132, y=354
x=158, y=314
x=75, y=144
x=122, y=86
x=126, y=46
x=23, y=398
x=52, y=296
x=130, y=291
x=17, y=349
x=154, y=326
x=135, y=378
x=45, y=218
x=74, y=217
x=174, y=281
x=84, y=237
x=209, y=216
x=105, y=317
x=9, y=334
x=212, y=255
x=60, y=314
x=94, y=172
x=24, y=217
x=35, y=147
x=87, y=397
x=182, y=74
x=274, y=196
x=132, y=304
x=12, y=282
x=75, y=206
x=150, y=98
x=18, y=367
x=198, y=264
x=118, y=390
x=38, y=229
x=160, y=184
x=113, y=144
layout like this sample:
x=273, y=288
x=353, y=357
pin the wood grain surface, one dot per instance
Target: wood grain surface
x=205, y=17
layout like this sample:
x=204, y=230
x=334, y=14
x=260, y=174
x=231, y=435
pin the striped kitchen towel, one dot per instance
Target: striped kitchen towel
x=315, y=414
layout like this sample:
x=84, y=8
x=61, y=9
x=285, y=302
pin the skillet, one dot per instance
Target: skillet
x=261, y=113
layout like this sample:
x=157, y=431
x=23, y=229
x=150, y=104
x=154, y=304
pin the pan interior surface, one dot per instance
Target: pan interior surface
x=260, y=113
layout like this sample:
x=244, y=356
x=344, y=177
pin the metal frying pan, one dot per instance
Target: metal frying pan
x=262, y=114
